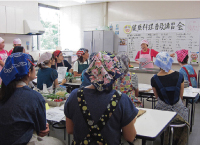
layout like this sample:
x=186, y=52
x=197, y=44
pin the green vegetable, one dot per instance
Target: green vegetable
x=52, y=96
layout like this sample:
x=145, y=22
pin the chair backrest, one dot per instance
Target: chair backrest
x=198, y=79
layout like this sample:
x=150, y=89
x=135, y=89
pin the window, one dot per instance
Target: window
x=50, y=19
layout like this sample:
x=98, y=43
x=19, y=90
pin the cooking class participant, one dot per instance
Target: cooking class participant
x=187, y=70
x=85, y=81
x=21, y=49
x=3, y=55
x=46, y=74
x=128, y=82
x=22, y=109
x=16, y=42
x=97, y=100
x=82, y=61
x=59, y=61
x=147, y=53
x=168, y=86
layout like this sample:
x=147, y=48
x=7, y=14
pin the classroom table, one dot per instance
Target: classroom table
x=152, y=124
x=187, y=94
x=148, y=126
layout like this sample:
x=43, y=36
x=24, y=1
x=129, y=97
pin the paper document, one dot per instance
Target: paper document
x=55, y=114
x=195, y=90
x=188, y=91
x=61, y=73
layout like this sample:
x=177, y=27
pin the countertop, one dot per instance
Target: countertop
x=145, y=70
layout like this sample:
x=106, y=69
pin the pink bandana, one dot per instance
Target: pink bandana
x=181, y=54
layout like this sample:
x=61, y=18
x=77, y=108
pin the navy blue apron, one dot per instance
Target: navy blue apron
x=163, y=89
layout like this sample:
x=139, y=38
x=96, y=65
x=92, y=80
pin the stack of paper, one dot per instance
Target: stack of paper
x=55, y=114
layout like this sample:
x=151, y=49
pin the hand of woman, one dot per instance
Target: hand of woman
x=137, y=62
x=172, y=55
x=63, y=81
x=44, y=132
x=1, y=63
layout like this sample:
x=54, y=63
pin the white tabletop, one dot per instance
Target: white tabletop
x=152, y=123
x=76, y=84
x=35, y=80
x=188, y=92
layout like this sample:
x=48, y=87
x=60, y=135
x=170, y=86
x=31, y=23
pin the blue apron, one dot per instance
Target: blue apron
x=163, y=89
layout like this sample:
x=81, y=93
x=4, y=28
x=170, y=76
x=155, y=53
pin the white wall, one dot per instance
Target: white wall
x=76, y=19
x=141, y=11
x=30, y=12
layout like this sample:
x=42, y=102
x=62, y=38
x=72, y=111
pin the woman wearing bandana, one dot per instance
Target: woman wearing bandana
x=22, y=109
x=82, y=63
x=46, y=74
x=186, y=70
x=168, y=86
x=127, y=83
x=96, y=114
x=59, y=61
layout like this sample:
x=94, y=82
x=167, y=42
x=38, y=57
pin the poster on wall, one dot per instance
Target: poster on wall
x=193, y=57
x=122, y=45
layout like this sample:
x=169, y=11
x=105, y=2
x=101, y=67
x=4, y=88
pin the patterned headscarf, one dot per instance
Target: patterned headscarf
x=81, y=51
x=103, y=70
x=16, y=67
x=124, y=61
x=164, y=61
x=181, y=54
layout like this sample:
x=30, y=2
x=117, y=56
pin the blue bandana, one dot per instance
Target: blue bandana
x=16, y=67
x=164, y=61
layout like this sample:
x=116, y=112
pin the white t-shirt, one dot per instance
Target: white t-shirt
x=75, y=67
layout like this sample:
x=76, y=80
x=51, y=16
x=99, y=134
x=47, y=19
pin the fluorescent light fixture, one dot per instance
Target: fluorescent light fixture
x=81, y=1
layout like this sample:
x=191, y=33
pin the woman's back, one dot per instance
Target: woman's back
x=46, y=76
x=23, y=113
x=97, y=103
x=169, y=80
x=189, y=71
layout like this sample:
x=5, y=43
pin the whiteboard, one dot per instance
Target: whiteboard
x=163, y=35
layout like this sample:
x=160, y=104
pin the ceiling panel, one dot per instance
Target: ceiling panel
x=65, y=3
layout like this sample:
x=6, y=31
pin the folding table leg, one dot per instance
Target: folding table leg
x=143, y=142
x=68, y=139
